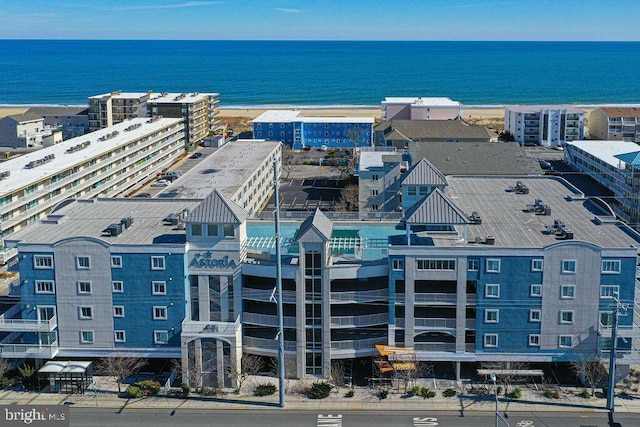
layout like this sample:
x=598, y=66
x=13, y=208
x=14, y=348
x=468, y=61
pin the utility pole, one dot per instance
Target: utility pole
x=612, y=355
x=281, y=371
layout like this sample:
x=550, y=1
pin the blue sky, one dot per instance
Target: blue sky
x=322, y=19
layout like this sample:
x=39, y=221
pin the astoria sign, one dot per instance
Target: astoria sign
x=206, y=260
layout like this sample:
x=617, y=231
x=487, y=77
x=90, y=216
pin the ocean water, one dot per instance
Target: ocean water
x=250, y=73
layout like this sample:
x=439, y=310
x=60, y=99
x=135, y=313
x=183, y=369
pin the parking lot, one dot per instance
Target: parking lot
x=308, y=194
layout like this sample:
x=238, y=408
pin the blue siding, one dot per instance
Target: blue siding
x=333, y=135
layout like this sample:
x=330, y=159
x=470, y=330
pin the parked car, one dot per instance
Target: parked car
x=195, y=156
x=143, y=195
x=171, y=175
x=161, y=183
x=324, y=147
x=544, y=164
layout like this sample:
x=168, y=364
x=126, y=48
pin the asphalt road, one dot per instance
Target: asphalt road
x=297, y=418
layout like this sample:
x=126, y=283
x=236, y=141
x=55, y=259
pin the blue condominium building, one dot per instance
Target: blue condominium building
x=477, y=270
x=298, y=132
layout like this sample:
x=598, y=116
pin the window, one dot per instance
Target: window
x=535, y=291
x=157, y=263
x=118, y=311
x=228, y=230
x=609, y=291
x=159, y=313
x=86, y=312
x=375, y=208
x=493, y=266
x=490, y=340
x=568, y=291
x=398, y=264
x=473, y=265
x=374, y=192
x=534, y=340
x=117, y=286
x=491, y=316
x=534, y=315
x=492, y=291
x=436, y=264
x=374, y=177
x=86, y=337
x=611, y=266
x=196, y=229
x=566, y=316
x=569, y=266
x=536, y=265
x=606, y=318
x=45, y=287
x=158, y=288
x=83, y=262
x=119, y=336
x=116, y=262
x=212, y=230
x=160, y=337
x=565, y=341
x=411, y=190
x=84, y=287
x=43, y=261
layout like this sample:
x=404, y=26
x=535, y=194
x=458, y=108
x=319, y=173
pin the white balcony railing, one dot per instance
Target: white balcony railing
x=265, y=295
x=13, y=351
x=360, y=296
x=9, y=323
x=435, y=323
x=363, y=320
x=268, y=344
x=267, y=320
x=365, y=344
x=434, y=346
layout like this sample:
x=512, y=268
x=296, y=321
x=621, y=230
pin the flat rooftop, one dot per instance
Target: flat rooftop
x=88, y=218
x=178, y=98
x=422, y=100
x=227, y=169
x=536, y=108
x=23, y=176
x=504, y=213
x=606, y=150
x=288, y=116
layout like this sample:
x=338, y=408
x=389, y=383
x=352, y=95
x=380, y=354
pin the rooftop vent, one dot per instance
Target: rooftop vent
x=133, y=127
x=79, y=147
x=539, y=207
x=46, y=159
x=4, y=175
x=560, y=229
x=519, y=188
x=109, y=135
x=126, y=222
x=113, y=230
x=475, y=218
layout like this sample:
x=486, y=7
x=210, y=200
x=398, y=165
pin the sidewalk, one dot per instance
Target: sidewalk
x=335, y=402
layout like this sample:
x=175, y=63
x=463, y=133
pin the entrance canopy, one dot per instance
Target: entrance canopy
x=66, y=376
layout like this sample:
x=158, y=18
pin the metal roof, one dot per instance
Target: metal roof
x=435, y=208
x=630, y=158
x=433, y=130
x=218, y=209
x=424, y=173
x=319, y=222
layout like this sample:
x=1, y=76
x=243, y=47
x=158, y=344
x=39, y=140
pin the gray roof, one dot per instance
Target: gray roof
x=25, y=117
x=435, y=208
x=432, y=130
x=476, y=158
x=317, y=221
x=58, y=111
x=424, y=173
x=218, y=209
x=88, y=218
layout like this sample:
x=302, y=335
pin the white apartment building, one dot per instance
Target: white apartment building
x=25, y=130
x=615, y=124
x=102, y=163
x=199, y=110
x=420, y=108
x=546, y=125
x=615, y=165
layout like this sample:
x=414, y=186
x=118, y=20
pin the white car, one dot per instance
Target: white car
x=161, y=183
x=324, y=148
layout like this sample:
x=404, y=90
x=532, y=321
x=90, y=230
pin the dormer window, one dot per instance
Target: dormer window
x=196, y=229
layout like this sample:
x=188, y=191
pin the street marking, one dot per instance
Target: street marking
x=329, y=420
x=525, y=423
x=424, y=421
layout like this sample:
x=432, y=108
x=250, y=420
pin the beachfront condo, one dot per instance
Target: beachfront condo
x=546, y=125
x=615, y=124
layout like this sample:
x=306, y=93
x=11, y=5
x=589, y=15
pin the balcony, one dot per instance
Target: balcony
x=268, y=344
x=435, y=346
x=265, y=295
x=25, y=325
x=435, y=323
x=267, y=320
x=360, y=296
x=363, y=347
x=362, y=320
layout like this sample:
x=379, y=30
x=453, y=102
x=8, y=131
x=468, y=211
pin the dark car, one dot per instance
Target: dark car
x=195, y=156
x=143, y=195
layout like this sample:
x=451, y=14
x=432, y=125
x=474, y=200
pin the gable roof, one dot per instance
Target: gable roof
x=435, y=208
x=218, y=209
x=58, y=111
x=630, y=158
x=317, y=221
x=25, y=117
x=424, y=173
x=432, y=130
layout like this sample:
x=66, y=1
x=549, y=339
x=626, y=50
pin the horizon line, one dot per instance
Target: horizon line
x=329, y=40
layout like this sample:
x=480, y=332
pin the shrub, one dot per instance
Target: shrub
x=207, y=391
x=149, y=387
x=133, y=391
x=585, y=394
x=516, y=393
x=349, y=393
x=499, y=390
x=6, y=382
x=186, y=389
x=319, y=390
x=414, y=391
x=427, y=393
x=265, y=389
x=552, y=394
x=449, y=392
x=28, y=375
x=382, y=394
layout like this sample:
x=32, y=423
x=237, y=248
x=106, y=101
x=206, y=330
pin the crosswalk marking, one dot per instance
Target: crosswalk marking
x=329, y=420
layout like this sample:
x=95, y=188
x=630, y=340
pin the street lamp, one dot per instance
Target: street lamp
x=495, y=389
